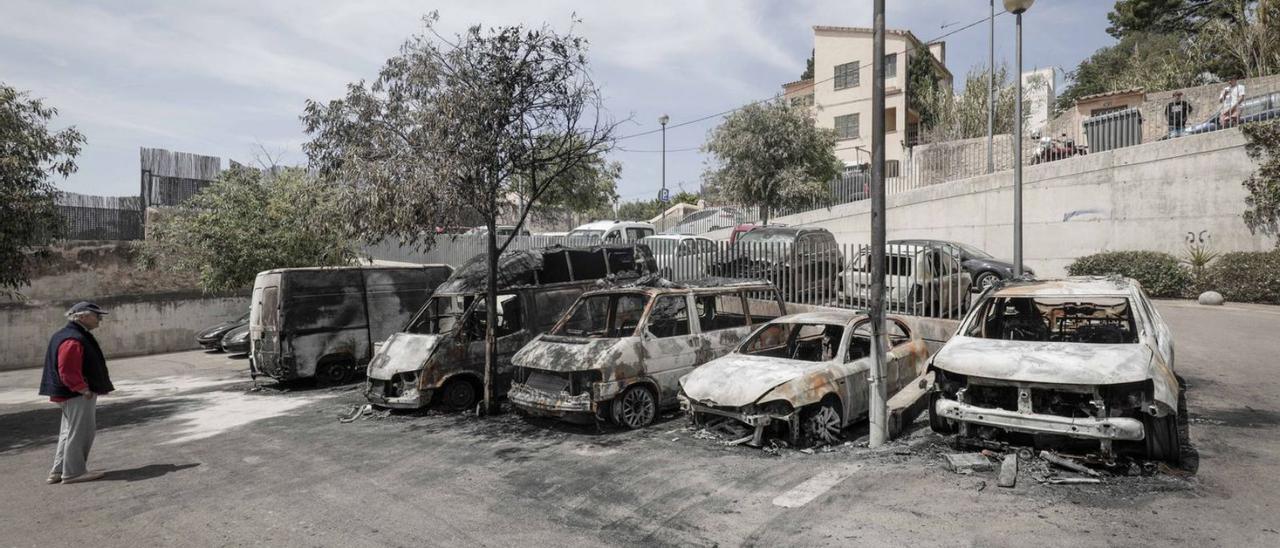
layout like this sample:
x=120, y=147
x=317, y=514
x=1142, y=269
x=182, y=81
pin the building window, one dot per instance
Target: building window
x=891, y=119
x=891, y=66
x=847, y=75
x=847, y=127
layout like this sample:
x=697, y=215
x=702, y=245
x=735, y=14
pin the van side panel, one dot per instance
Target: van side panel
x=395, y=294
x=323, y=315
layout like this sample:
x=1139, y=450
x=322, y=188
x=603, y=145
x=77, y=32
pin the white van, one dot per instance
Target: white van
x=613, y=231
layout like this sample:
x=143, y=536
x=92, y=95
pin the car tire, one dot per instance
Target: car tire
x=821, y=424
x=985, y=280
x=1161, y=438
x=459, y=394
x=937, y=423
x=635, y=408
x=334, y=372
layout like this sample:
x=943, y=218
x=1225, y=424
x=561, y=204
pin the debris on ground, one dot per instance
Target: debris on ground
x=356, y=412
x=967, y=463
x=1068, y=463
x=1008, y=471
x=1071, y=481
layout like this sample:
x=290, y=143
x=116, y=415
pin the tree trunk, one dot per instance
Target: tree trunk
x=491, y=317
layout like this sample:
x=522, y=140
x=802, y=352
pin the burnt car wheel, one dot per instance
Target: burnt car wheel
x=936, y=422
x=1162, y=438
x=821, y=424
x=635, y=408
x=333, y=372
x=459, y=395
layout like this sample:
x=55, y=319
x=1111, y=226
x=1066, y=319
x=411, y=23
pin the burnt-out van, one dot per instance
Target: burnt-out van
x=440, y=354
x=323, y=322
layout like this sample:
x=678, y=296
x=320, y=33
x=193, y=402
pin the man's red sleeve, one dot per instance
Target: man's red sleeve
x=71, y=365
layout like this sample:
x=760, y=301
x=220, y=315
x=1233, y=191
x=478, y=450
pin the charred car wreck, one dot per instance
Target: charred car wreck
x=1082, y=358
x=440, y=355
x=618, y=354
x=802, y=376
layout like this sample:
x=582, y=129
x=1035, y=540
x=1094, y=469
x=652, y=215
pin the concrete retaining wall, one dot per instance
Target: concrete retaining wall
x=1145, y=197
x=137, y=324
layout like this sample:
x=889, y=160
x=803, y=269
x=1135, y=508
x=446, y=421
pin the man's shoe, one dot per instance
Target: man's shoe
x=87, y=476
x=54, y=478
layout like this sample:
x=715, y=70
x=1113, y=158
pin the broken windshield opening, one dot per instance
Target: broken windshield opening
x=441, y=314
x=1095, y=320
x=811, y=342
x=604, y=316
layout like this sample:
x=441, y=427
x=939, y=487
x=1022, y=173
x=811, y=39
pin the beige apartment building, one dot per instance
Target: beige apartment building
x=840, y=91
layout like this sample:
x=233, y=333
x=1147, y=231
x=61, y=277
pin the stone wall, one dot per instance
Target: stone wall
x=137, y=324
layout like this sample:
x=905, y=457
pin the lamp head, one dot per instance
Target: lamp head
x=1016, y=7
x=664, y=119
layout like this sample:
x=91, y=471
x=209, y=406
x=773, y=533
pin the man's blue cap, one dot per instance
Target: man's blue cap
x=86, y=306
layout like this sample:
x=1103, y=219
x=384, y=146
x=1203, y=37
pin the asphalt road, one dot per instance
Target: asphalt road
x=196, y=458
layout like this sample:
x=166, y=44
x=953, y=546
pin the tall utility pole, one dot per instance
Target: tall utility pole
x=991, y=89
x=662, y=203
x=1017, y=7
x=879, y=393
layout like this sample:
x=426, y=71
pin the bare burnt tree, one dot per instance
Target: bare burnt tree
x=483, y=125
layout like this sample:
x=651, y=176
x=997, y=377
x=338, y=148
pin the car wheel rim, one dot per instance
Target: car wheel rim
x=824, y=425
x=637, y=408
x=333, y=374
x=986, y=282
x=460, y=395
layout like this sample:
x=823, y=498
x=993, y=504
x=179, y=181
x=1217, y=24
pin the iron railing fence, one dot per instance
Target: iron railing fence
x=920, y=280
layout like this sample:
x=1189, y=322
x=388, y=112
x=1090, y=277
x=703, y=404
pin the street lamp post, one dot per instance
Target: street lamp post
x=663, y=121
x=1017, y=7
x=991, y=89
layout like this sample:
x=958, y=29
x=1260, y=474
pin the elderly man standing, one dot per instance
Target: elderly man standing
x=75, y=374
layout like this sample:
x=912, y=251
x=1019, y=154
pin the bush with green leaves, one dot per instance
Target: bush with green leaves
x=1249, y=277
x=1160, y=274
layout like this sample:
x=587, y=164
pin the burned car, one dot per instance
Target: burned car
x=618, y=353
x=1086, y=358
x=440, y=353
x=802, y=376
x=323, y=322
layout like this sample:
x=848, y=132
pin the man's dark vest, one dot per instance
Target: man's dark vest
x=94, y=369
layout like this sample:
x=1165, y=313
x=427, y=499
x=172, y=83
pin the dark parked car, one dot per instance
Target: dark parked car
x=984, y=268
x=236, y=341
x=211, y=338
x=796, y=259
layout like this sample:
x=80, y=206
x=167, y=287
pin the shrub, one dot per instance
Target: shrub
x=1249, y=277
x=1160, y=274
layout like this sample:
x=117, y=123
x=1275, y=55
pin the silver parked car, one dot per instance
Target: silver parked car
x=681, y=257
x=919, y=279
x=1083, y=357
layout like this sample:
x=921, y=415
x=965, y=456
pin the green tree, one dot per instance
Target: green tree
x=808, y=68
x=770, y=155
x=30, y=155
x=454, y=127
x=247, y=222
x=925, y=93
x=964, y=116
x=1262, y=205
x=643, y=210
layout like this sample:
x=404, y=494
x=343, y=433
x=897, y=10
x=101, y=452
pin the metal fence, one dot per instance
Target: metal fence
x=100, y=217
x=920, y=280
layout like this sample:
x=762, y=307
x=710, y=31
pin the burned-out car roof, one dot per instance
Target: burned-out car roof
x=654, y=284
x=1093, y=286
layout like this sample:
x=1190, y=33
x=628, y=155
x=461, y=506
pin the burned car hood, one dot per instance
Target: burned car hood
x=403, y=352
x=1046, y=362
x=738, y=379
x=553, y=353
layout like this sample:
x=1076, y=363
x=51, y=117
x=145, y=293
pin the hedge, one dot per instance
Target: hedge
x=1246, y=277
x=1160, y=274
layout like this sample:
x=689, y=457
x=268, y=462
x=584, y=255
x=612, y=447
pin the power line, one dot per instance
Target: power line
x=815, y=84
x=623, y=149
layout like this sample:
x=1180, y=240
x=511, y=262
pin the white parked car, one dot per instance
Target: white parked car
x=682, y=257
x=918, y=280
x=1083, y=357
x=612, y=231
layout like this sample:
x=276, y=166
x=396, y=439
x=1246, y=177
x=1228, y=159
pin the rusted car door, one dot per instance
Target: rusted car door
x=510, y=331
x=851, y=375
x=722, y=320
x=671, y=346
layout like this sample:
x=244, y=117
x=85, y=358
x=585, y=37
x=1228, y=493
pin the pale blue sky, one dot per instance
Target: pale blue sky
x=220, y=77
